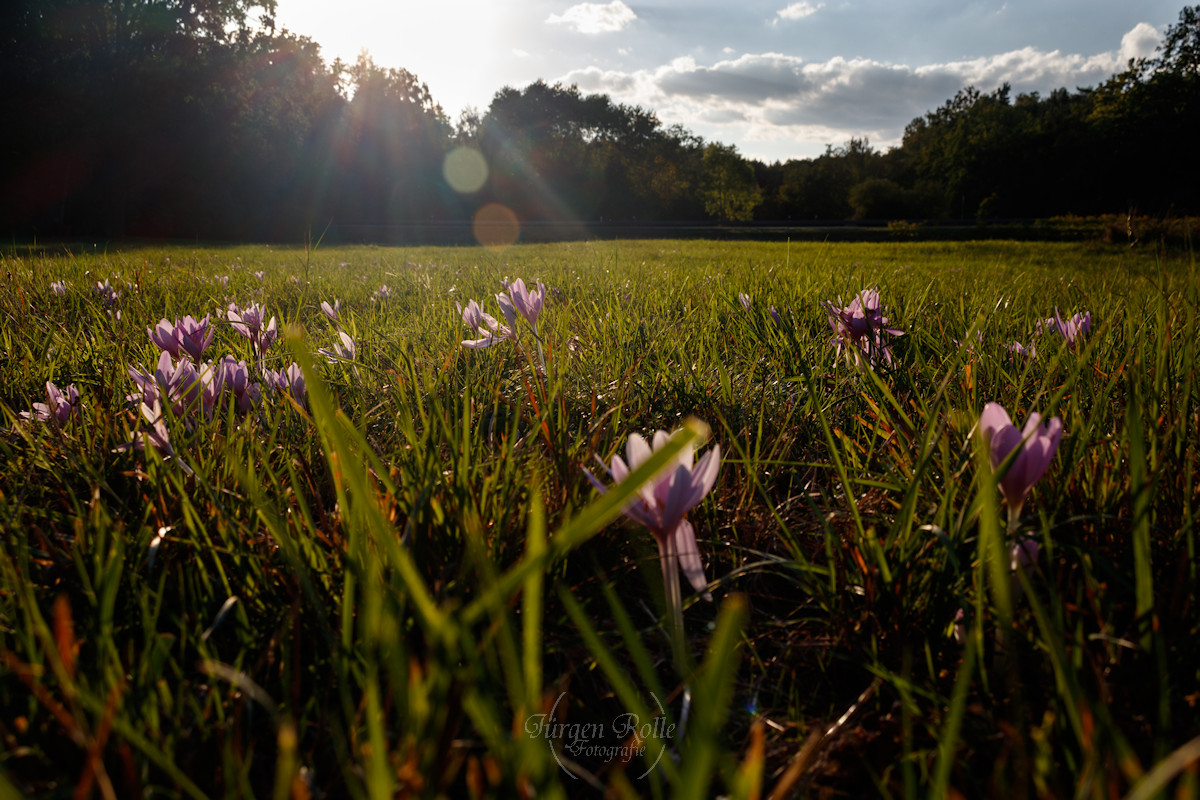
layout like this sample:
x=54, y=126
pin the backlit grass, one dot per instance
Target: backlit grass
x=371, y=592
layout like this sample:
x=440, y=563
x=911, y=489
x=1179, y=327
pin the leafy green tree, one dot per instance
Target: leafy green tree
x=728, y=187
x=388, y=147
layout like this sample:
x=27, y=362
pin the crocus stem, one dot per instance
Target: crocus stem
x=669, y=557
x=541, y=355
x=670, y=566
x=1014, y=521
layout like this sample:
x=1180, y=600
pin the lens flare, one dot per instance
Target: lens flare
x=496, y=226
x=465, y=170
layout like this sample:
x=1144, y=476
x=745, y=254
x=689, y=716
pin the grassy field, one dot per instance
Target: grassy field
x=397, y=579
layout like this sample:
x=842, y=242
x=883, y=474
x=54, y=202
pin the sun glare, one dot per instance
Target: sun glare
x=465, y=170
x=458, y=49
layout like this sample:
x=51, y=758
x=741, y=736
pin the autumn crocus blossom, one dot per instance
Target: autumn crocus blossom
x=527, y=303
x=248, y=322
x=332, y=311
x=483, y=323
x=663, y=502
x=290, y=381
x=187, y=335
x=1071, y=330
x=1018, y=350
x=860, y=327
x=175, y=385
x=1035, y=446
x=61, y=406
x=345, y=350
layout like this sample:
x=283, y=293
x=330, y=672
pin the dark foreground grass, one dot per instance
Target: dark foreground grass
x=404, y=585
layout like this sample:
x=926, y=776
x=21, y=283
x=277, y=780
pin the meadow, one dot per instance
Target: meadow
x=383, y=547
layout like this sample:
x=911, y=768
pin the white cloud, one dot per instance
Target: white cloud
x=519, y=53
x=1140, y=42
x=771, y=96
x=595, y=17
x=799, y=10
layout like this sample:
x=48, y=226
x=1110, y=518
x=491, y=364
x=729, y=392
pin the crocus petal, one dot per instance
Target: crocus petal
x=1038, y=451
x=704, y=476
x=596, y=483
x=619, y=471
x=636, y=451
x=679, y=498
x=164, y=336
x=1036, y=445
x=510, y=312
x=472, y=315
x=994, y=418
x=474, y=344
x=689, y=558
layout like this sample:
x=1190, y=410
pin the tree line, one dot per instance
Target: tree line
x=199, y=118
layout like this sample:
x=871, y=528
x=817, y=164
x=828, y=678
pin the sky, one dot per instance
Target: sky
x=777, y=79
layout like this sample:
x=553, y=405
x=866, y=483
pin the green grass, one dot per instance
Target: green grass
x=370, y=593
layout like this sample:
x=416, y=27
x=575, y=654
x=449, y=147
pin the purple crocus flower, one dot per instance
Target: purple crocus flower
x=290, y=380
x=177, y=386
x=163, y=335
x=510, y=313
x=60, y=408
x=860, y=327
x=108, y=295
x=332, y=311
x=237, y=379
x=212, y=383
x=527, y=303
x=663, y=502
x=384, y=292
x=59, y=288
x=744, y=299
x=249, y=323
x=152, y=384
x=194, y=335
x=1071, y=330
x=1035, y=446
x=188, y=336
x=1018, y=350
x=482, y=322
x=776, y=318
x=155, y=433
x=344, y=350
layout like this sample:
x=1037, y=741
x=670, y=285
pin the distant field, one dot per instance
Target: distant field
x=360, y=559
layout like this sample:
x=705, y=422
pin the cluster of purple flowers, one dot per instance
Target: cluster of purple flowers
x=251, y=323
x=185, y=387
x=60, y=409
x=1071, y=330
x=345, y=349
x=516, y=299
x=109, y=297
x=860, y=328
